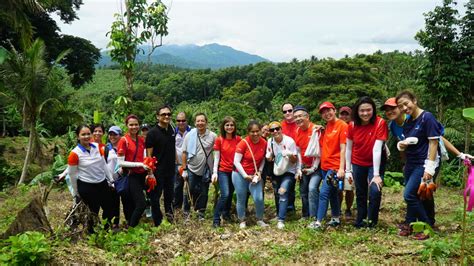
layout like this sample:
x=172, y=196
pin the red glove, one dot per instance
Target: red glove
x=150, y=162
x=150, y=182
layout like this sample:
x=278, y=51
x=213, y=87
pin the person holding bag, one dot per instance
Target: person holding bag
x=224, y=152
x=249, y=162
x=281, y=150
x=130, y=151
x=197, y=161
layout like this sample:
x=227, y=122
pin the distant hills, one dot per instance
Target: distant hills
x=212, y=56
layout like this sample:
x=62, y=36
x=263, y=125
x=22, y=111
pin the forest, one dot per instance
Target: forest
x=50, y=83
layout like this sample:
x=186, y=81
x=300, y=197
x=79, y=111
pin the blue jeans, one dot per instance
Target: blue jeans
x=328, y=194
x=224, y=203
x=281, y=189
x=415, y=208
x=242, y=187
x=309, y=192
x=199, y=188
x=362, y=177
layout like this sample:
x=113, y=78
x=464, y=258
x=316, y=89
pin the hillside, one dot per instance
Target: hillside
x=212, y=56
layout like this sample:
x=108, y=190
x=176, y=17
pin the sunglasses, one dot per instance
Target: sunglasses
x=165, y=114
x=180, y=121
x=275, y=129
x=288, y=111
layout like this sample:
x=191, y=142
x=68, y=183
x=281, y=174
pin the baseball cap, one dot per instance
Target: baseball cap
x=326, y=105
x=390, y=102
x=145, y=126
x=345, y=109
x=299, y=108
x=116, y=130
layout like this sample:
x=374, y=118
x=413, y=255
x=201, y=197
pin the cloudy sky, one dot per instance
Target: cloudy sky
x=277, y=30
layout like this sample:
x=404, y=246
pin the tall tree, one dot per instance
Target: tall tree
x=29, y=79
x=140, y=23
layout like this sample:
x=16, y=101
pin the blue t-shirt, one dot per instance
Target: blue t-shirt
x=424, y=127
x=397, y=130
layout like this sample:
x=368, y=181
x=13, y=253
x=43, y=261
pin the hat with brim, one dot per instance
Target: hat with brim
x=389, y=103
x=115, y=129
x=326, y=105
x=346, y=109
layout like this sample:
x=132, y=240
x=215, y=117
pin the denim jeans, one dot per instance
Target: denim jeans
x=309, y=192
x=328, y=194
x=199, y=188
x=415, y=208
x=224, y=203
x=281, y=189
x=242, y=187
x=362, y=177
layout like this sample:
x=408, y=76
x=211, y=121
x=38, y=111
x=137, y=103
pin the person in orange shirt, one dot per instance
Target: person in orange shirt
x=333, y=150
x=288, y=128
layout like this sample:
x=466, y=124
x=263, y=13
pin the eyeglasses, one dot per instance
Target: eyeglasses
x=180, y=121
x=165, y=114
x=288, y=111
x=275, y=129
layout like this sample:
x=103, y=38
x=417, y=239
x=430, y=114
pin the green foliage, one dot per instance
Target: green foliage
x=451, y=173
x=393, y=180
x=439, y=248
x=468, y=113
x=422, y=227
x=59, y=165
x=29, y=248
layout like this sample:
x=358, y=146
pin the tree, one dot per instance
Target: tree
x=139, y=24
x=31, y=82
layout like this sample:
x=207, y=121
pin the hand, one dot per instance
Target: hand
x=298, y=175
x=185, y=175
x=214, y=178
x=427, y=176
x=349, y=177
x=464, y=156
x=402, y=145
x=308, y=171
x=249, y=178
x=318, y=127
x=377, y=180
x=340, y=174
x=145, y=167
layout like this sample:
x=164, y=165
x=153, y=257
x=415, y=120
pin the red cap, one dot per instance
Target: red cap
x=345, y=109
x=390, y=102
x=326, y=105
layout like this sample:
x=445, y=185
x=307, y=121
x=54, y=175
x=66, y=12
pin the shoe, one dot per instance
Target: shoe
x=242, y=225
x=274, y=219
x=421, y=236
x=405, y=230
x=348, y=214
x=261, y=223
x=334, y=222
x=280, y=225
x=315, y=225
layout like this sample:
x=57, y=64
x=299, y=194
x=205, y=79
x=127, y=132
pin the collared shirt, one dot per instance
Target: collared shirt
x=90, y=163
x=179, y=143
x=162, y=140
x=197, y=164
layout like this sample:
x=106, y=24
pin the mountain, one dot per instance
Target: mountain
x=212, y=56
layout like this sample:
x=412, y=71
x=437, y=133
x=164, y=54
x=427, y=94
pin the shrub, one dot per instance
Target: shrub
x=29, y=248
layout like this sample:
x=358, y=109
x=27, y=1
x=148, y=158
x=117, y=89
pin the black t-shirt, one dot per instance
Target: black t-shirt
x=163, y=143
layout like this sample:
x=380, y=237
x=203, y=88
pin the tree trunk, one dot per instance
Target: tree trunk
x=28, y=154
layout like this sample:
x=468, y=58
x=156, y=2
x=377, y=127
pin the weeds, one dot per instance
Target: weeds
x=29, y=248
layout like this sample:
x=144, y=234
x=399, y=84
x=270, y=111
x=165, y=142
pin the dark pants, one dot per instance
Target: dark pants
x=96, y=196
x=362, y=177
x=178, y=191
x=199, y=188
x=224, y=203
x=415, y=209
x=136, y=202
x=164, y=185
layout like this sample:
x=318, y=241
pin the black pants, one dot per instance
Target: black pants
x=135, y=200
x=96, y=196
x=164, y=185
x=116, y=198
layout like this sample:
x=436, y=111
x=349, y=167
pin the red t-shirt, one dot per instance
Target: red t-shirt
x=127, y=147
x=226, y=147
x=289, y=129
x=363, y=138
x=333, y=136
x=258, y=150
x=302, y=138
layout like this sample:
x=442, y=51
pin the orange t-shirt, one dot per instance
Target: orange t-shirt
x=333, y=136
x=127, y=147
x=226, y=147
x=258, y=150
x=289, y=129
x=302, y=138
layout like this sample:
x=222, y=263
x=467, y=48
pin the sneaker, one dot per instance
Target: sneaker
x=405, y=230
x=314, y=225
x=334, y=222
x=280, y=225
x=261, y=223
x=242, y=225
x=421, y=236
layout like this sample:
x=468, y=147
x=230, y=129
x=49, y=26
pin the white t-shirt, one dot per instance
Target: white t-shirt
x=287, y=145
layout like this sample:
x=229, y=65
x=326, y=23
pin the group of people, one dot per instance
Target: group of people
x=347, y=154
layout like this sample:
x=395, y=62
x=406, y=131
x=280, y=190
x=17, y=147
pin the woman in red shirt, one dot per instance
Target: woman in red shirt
x=365, y=160
x=130, y=150
x=249, y=162
x=224, y=152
